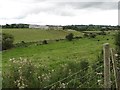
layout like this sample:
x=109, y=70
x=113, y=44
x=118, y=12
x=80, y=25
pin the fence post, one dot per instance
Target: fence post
x=118, y=79
x=114, y=67
x=106, y=51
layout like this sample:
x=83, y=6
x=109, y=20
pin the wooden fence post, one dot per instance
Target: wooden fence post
x=118, y=79
x=114, y=67
x=106, y=51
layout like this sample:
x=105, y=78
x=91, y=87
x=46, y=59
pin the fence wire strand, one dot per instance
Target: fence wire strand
x=73, y=75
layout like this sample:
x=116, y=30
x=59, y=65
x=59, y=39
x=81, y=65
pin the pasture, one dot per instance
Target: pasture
x=32, y=35
x=53, y=55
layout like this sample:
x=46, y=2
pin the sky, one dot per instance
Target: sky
x=59, y=12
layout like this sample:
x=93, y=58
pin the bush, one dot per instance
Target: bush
x=78, y=37
x=92, y=35
x=44, y=42
x=86, y=35
x=7, y=41
x=69, y=37
x=102, y=33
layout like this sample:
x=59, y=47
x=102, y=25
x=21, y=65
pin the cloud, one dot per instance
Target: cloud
x=91, y=5
x=45, y=11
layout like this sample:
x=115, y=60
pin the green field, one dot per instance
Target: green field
x=53, y=55
x=59, y=52
x=31, y=35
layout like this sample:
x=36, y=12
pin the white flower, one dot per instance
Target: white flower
x=20, y=67
x=39, y=77
x=116, y=55
x=20, y=58
x=99, y=81
x=45, y=78
x=18, y=84
x=10, y=60
x=43, y=75
x=53, y=70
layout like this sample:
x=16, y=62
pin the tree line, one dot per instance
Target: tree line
x=91, y=27
x=15, y=26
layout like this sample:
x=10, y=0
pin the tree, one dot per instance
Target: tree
x=7, y=41
x=69, y=37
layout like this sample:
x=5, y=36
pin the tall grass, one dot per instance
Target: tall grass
x=23, y=73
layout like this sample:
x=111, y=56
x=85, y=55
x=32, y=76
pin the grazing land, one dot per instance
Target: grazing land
x=31, y=35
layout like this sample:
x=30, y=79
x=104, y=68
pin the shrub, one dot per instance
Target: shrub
x=7, y=41
x=92, y=35
x=86, y=35
x=78, y=37
x=102, y=33
x=44, y=42
x=69, y=37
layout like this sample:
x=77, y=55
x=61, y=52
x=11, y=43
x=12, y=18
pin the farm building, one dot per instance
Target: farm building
x=39, y=26
x=46, y=27
x=56, y=27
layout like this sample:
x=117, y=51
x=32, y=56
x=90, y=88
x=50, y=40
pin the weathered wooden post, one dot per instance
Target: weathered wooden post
x=106, y=50
x=114, y=67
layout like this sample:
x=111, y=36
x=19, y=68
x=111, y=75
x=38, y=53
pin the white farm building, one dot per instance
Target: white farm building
x=39, y=26
x=46, y=27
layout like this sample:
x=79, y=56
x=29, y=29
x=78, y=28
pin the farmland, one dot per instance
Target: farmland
x=31, y=35
x=53, y=55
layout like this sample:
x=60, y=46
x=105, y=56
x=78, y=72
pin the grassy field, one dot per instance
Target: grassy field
x=31, y=35
x=59, y=52
x=55, y=54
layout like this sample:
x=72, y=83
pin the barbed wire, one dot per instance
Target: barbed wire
x=89, y=74
x=69, y=76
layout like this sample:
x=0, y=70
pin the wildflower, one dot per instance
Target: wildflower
x=18, y=81
x=53, y=70
x=69, y=70
x=99, y=81
x=20, y=77
x=21, y=87
x=99, y=73
x=43, y=75
x=45, y=78
x=20, y=58
x=9, y=65
x=10, y=60
x=20, y=67
x=25, y=60
x=63, y=85
x=15, y=82
x=19, y=70
x=14, y=61
x=18, y=84
x=38, y=77
x=116, y=55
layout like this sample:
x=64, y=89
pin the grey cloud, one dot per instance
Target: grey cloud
x=91, y=5
x=58, y=8
x=52, y=8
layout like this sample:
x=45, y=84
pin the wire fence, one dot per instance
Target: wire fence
x=78, y=79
